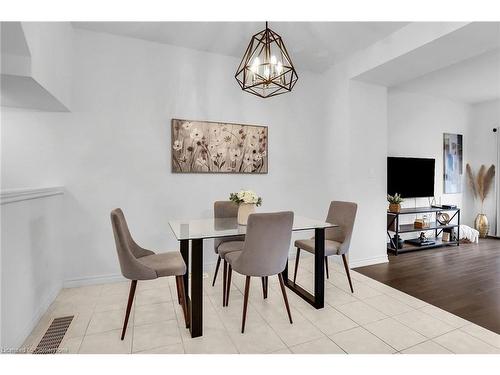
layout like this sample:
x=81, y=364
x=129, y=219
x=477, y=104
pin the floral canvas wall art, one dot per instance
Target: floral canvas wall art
x=452, y=163
x=218, y=147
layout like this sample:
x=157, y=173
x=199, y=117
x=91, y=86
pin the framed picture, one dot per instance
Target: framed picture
x=452, y=163
x=218, y=147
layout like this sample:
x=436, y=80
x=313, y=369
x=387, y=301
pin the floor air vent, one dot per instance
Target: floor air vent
x=49, y=344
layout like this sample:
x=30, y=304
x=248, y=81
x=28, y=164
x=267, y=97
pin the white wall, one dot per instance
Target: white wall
x=50, y=45
x=356, y=150
x=113, y=149
x=416, y=124
x=31, y=260
x=482, y=149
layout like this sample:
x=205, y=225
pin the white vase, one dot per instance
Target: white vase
x=244, y=210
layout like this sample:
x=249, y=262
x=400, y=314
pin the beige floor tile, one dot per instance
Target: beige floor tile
x=155, y=335
x=444, y=316
x=426, y=347
x=258, y=338
x=423, y=323
x=462, y=343
x=395, y=334
x=483, y=334
x=121, y=288
x=359, y=341
x=161, y=282
x=361, y=313
x=153, y=313
x=169, y=349
x=319, y=346
x=153, y=295
x=337, y=297
x=329, y=320
x=387, y=304
x=107, y=321
x=297, y=333
x=107, y=343
x=363, y=291
x=407, y=299
x=79, y=324
x=212, y=342
x=282, y=351
x=109, y=302
x=70, y=345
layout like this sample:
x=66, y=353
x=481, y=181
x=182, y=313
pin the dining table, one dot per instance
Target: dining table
x=192, y=232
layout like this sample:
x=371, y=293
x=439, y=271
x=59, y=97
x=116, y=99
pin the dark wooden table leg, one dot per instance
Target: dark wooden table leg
x=319, y=268
x=196, y=309
x=285, y=272
x=185, y=278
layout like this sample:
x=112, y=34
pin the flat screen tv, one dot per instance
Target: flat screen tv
x=410, y=177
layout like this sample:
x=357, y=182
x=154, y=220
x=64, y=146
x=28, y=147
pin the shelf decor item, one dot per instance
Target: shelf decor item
x=218, y=147
x=452, y=163
x=394, y=202
x=247, y=200
x=266, y=68
x=481, y=185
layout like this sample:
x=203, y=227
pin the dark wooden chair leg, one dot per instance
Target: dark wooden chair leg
x=346, y=266
x=224, y=281
x=267, y=284
x=283, y=290
x=182, y=297
x=296, y=265
x=177, y=283
x=326, y=267
x=245, y=304
x=229, y=275
x=264, y=287
x=216, y=270
x=131, y=294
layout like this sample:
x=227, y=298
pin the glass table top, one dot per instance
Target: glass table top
x=215, y=228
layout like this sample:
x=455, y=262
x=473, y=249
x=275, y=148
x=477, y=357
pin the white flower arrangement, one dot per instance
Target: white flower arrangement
x=245, y=196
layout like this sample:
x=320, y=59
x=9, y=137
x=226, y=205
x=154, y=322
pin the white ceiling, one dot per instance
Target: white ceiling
x=471, y=81
x=313, y=46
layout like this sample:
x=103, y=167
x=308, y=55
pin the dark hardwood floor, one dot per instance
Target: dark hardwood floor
x=463, y=280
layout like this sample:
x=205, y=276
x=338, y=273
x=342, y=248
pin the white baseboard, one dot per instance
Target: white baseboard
x=354, y=263
x=93, y=280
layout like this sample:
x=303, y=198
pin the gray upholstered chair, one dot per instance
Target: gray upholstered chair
x=222, y=246
x=337, y=240
x=264, y=254
x=137, y=263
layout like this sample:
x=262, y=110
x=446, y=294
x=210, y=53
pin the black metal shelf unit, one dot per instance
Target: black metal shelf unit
x=393, y=226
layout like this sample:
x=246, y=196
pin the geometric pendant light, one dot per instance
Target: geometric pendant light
x=266, y=68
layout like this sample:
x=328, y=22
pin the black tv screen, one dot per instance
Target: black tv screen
x=410, y=177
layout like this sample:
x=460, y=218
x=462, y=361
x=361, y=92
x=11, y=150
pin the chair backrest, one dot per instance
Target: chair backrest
x=128, y=251
x=343, y=214
x=267, y=244
x=224, y=210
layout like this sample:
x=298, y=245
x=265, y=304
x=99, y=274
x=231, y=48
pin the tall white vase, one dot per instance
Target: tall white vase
x=244, y=210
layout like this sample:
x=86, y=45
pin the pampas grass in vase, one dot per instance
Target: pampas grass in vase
x=481, y=186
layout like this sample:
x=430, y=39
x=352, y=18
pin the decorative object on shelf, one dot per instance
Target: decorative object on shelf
x=394, y=202
x=442, y=218
x=421, y=224
x=446, y=237
x=452, y=163
x=218, y=147
x=480, y=186
x=266, y=68
x=398, y=241
x=247, y=200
